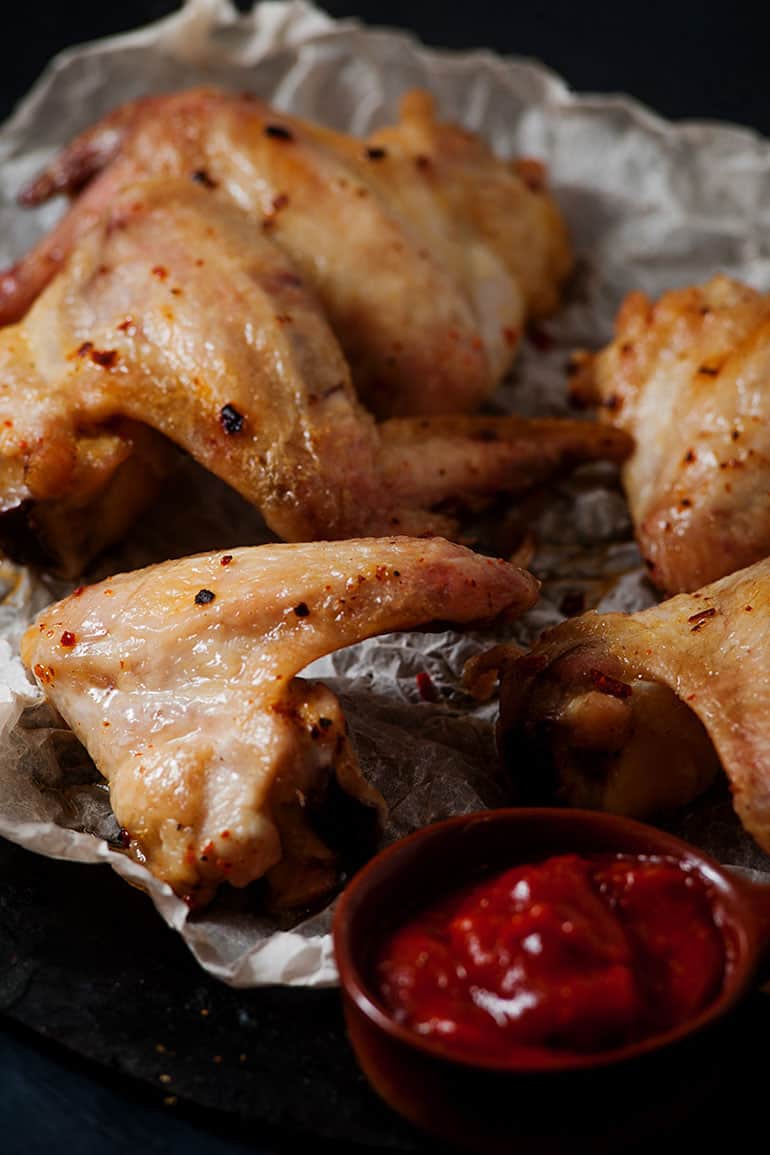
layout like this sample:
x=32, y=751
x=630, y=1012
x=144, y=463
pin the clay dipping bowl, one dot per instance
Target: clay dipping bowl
x=561, y=1102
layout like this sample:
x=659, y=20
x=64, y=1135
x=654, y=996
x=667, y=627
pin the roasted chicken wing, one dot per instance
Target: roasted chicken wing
x=173, y=311
x=426, y=251
x=180, y=681
x=689, y=378
x=635, y=713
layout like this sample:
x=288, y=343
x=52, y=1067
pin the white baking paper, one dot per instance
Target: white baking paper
x=650, y=205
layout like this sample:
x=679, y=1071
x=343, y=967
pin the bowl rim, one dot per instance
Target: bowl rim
x=732, y=893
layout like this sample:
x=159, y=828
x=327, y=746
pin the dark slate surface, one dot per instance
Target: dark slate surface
x=86, y=962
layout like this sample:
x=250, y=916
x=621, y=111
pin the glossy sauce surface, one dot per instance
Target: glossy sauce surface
x=573, y=954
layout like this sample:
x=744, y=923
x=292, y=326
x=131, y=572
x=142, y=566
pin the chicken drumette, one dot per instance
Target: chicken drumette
x=180, y=681
x=634, y=713
x=426, y=251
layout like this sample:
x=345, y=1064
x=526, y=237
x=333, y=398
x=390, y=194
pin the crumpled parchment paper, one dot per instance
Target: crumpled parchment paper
x=650, y=205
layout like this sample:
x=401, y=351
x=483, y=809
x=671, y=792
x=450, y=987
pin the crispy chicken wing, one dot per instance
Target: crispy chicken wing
x=634, y=713
x=180, y=681
x=426, y=251
x=689, y=378
x=175, y=312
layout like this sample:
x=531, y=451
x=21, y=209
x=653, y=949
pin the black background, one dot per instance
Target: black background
x=685, y=60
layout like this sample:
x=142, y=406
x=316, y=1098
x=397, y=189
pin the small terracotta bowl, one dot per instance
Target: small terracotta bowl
x=590, y=1102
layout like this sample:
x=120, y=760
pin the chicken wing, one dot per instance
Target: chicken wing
x=635, y=713
x=175, y=312
x=689, y=378
x=426, y=251
x=180, y=681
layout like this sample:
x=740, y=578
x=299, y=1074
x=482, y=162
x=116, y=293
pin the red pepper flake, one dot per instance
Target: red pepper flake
x=278, y=132
x=44, y=674
x=128, y=326
x=689, y=457
x=685, y=503
x=426, y=687
x=68, y=638
x=748, y=609
x=606, y=684
x=225, y=834
x=532, y=172
x=106, y=358
x=124, y=838
x=700, y=619
x=160, y=272
x=376, y=153
x=709, y=613
x=203, y=597
x=226, y=559
x=280, y=202
x=200, y=176
x=540, y=339
x=84, y=349
x=302, y=610
x=230, y=419
x=709, y=370
x=78, y=591
x=8, y=424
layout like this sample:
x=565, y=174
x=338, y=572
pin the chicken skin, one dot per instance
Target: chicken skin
x=180, y=681
x=689, y=379
x=635, y=713
x=175, y=313
x=426, y=251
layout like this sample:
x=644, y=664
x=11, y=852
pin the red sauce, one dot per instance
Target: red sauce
x=572, y=954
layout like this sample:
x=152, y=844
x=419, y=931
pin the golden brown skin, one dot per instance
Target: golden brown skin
x=180, y=681
x=689, y=379
x=634, y=713
x=175, y=312
x=426, y=251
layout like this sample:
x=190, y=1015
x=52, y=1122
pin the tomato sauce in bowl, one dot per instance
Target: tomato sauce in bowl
x=546, y=980
x=574, y=954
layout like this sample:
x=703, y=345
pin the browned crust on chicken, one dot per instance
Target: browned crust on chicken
x=688, y=378
x=700, y=659
x=427, y=252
